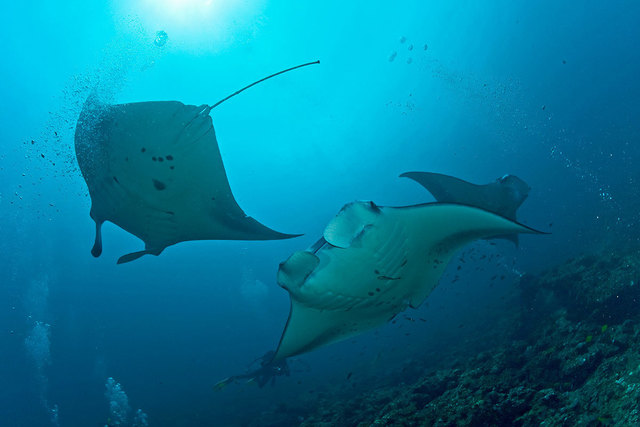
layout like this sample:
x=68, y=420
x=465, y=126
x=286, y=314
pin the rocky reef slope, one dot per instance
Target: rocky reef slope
x=572, y=358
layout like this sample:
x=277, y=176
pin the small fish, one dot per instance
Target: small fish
x=349, y=375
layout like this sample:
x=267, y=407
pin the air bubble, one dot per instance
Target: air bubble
x=161, y=38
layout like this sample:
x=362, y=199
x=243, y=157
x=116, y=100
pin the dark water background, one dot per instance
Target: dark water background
x=545, y=90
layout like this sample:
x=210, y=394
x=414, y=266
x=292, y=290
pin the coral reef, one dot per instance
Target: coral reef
x=573, y=358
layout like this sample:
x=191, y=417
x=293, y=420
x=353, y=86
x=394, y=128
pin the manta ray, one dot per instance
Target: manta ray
x=503, y=196
x=155, y=170
x=373, y=262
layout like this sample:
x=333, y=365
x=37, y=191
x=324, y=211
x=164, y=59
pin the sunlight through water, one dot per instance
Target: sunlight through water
x=199, y=24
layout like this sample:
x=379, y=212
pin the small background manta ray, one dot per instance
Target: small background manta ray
x=503, y=196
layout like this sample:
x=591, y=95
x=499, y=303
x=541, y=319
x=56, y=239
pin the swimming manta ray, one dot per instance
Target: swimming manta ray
x=372, y=263
x=503, y=196
x=155, y=170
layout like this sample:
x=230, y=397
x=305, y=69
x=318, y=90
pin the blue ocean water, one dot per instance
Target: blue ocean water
x=545, y=90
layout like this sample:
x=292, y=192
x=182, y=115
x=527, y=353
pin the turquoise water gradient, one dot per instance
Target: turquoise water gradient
x=545, y=90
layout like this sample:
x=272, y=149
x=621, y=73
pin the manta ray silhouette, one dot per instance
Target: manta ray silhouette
x=155, y=170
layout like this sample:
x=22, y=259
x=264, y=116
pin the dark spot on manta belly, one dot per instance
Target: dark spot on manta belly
x=154, y=159
x=142, y=150
x=159, y=185
x=172, y=167
x=169, y=157
x=160, y=159
x=116, y=180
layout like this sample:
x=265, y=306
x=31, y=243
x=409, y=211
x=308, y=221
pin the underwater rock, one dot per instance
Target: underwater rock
x=602, y=288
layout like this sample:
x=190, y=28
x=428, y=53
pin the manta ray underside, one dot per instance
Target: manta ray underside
x=372, y=263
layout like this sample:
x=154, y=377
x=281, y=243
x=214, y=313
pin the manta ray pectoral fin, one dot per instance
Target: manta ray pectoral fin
x=455, y=226
x=445, y=188
x=350, y=222
x=96, y=250
x=257, y=231
x=135, y=255
x=309, y=328
x=131, y=257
